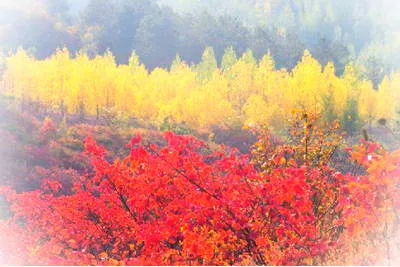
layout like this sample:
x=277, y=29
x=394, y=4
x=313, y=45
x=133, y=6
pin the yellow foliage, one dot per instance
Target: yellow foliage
x=252, y=92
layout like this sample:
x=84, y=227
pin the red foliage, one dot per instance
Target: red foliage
x=182, y=204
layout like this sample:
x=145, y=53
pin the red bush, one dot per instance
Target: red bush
x=182, y=204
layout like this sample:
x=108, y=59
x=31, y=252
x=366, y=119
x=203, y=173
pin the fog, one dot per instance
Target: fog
x=364, y=31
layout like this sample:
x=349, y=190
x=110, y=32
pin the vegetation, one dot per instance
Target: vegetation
x=341, y=31
x=242, y=91
x=171, y=132
x=183, y=202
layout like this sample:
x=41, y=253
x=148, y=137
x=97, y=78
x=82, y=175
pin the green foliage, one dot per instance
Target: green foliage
x=351, y=120
x=170, y=125
x=207, y=65
x=114, y=119
x=249, y=58
x=229, y=59
x=156, y=38
x=329, y=108
x=373, y=69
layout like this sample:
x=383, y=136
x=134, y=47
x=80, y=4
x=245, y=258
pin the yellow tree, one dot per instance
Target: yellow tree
x=306, y=83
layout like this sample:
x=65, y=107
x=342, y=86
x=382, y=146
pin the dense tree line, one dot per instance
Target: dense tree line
x=338, y=31
x=243, y=91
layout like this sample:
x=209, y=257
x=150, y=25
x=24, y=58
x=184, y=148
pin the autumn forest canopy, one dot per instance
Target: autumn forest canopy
x=188, y=132
x=243, y=91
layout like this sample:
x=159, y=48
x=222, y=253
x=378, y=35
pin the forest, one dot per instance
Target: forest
x=170, y=132
x=359, y=31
